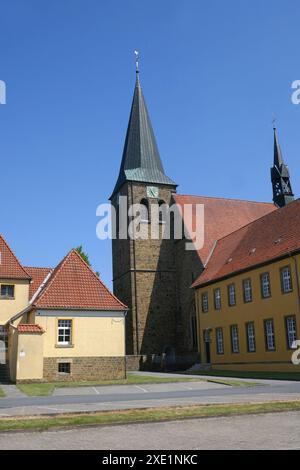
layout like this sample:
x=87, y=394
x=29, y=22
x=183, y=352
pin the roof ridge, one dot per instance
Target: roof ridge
x=13, y=254
x=39, y=289
x=38, y=267
x=225, y=198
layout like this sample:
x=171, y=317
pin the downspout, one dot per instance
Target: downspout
x=12, y=353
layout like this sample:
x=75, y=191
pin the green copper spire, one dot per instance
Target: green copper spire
x=141, y=161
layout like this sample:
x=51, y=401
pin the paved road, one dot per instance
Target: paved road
x=269, y=431
x=150, y=395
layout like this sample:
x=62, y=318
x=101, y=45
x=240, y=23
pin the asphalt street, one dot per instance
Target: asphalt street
x=151, y=395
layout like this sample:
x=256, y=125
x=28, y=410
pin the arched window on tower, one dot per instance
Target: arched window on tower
x=144, y=210
x=162, y=211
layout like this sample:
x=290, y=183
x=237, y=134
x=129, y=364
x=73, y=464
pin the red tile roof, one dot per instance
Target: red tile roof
x=273, y=236
x=223, y=216
x=10, y=267
x=73, y=285
x=30, y=328
x=38, y=276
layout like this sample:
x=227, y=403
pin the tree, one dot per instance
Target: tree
x=85, y=257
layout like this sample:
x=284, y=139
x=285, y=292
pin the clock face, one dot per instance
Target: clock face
x=152, y=191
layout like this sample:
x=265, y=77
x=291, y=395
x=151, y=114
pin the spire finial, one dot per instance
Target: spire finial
x=274, y=121
x=137, y=61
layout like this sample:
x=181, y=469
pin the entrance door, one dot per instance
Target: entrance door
x=207, y=352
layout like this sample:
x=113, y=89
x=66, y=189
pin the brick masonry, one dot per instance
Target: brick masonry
x=85, y=368
x=145, y=280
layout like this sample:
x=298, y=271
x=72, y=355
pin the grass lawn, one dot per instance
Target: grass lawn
x=252, y=375
x=45, y=389
x=235, y=383
x=2, y=394
x=143, y=415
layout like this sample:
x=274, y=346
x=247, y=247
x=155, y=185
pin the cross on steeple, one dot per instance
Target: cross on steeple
x=137, y=61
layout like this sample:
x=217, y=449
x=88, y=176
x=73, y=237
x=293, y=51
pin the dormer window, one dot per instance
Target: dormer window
x=7, y=291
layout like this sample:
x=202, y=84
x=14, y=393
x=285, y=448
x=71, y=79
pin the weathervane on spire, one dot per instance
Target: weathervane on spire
x=137, y=60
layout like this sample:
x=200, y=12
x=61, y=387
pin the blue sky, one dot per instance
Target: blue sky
x=213, y=74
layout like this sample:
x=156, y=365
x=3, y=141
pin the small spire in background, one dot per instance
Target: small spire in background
x=281, y=181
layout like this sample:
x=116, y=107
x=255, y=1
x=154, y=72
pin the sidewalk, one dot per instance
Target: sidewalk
x=11, y=391
x=218, y=377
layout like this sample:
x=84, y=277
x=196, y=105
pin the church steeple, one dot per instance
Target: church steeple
x=141, y=161
x=281, y=182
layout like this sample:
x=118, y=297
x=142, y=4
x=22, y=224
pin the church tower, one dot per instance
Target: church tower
x=281, y=182
x=144, y=275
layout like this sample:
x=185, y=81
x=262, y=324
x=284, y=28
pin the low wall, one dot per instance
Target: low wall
x=85, y=368
x=161, y=362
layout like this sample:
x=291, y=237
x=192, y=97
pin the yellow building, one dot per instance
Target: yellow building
x=58, y=324
x=248, y=296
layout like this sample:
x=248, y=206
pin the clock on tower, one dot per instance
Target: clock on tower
x=152, y=191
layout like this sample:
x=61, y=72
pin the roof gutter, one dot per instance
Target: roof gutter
x=18, y=315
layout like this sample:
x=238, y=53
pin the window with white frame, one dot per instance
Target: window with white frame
x=247, y=287
x=251, y=337
x=231, y=295
x=64, y=332
x=286, y=280
x=220, y=341
x=291, y=330
x=217, y=297
x=205, y=302
x=265, y=285
x=270, y=335
x=234, y=339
